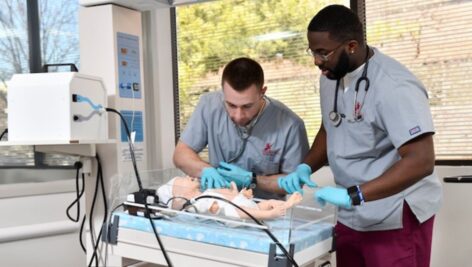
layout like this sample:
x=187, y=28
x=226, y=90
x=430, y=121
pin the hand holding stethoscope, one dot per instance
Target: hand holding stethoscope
x=334, y=116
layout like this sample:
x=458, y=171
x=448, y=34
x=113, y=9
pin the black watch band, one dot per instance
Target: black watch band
x=253, y=181
x=353, y=193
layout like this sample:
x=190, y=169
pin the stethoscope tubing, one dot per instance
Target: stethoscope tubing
x=245, y=137
x=336, y=117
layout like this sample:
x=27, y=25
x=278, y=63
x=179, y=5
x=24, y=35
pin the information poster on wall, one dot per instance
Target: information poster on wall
x=129, y=67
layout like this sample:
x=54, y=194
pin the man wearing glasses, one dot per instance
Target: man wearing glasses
x=252, y=139
x=376, y=136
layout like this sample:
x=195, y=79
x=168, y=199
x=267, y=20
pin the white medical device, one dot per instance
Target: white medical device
x=66, y=106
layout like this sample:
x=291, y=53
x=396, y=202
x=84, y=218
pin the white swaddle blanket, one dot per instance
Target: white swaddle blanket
x=203, y=205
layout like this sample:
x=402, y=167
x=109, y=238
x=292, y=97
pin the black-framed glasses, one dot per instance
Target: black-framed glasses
x=322, y=57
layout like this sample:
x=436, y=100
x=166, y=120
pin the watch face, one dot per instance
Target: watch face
x=252, y=186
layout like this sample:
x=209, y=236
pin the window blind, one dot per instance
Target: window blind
x=273, y=32
x=434, y=40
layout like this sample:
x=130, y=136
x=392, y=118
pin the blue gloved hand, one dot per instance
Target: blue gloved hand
x=212, y=179
x=295, y=180
x=231, y=172
x=334, y=195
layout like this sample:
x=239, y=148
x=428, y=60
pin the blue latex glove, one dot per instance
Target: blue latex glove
x=231, y=172
x=295, y=180
x=212, y=179
x=334, y=195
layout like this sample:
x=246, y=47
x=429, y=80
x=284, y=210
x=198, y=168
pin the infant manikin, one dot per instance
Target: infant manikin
x=179, y=189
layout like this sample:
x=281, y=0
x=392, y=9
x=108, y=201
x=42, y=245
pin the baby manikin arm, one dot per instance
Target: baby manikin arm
x=275, y=212
x=214, y=208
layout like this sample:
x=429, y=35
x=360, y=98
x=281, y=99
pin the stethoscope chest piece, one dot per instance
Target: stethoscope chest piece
x=335, y=118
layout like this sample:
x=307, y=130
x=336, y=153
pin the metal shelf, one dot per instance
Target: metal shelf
x=73, y=147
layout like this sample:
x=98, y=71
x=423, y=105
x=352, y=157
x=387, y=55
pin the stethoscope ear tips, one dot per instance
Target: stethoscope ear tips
x=335, y=118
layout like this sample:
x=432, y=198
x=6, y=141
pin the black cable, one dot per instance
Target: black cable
x=276, y=241
x=99, y=178
x=138, y=179
x=78, y=192
x=161, y=245
x=91, y=212
x=3, y=133
x=131, y=150
x=81, y=234
x=78, y=165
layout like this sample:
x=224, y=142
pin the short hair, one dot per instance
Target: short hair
x=243, y=72
x=340, y=22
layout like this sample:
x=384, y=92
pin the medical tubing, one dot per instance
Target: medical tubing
x=78, y=165
x=3, y=133
x=268, y=232
x=95, y=244
x=138, y=178
x=131, y=149
x=79, y=98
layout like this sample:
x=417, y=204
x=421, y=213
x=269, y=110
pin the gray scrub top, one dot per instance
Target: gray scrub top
x=395, y=110
x=277, y=144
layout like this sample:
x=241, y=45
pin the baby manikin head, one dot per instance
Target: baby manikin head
x=179, y=189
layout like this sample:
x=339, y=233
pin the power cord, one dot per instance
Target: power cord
x=79, y=192
x=141, y=189
x=268, y=232
x=3, y=133
x=131, y=149
x=81, y=234
x=96, y=243
x=78, y=165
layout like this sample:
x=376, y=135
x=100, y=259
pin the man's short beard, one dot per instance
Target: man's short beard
x=342, y=68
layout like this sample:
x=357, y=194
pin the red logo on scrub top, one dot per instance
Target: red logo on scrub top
x=269, y=152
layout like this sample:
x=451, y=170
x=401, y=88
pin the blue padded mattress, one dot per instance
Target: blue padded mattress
x=247, y=238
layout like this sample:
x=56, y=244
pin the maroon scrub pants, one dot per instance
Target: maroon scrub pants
x=406, y=247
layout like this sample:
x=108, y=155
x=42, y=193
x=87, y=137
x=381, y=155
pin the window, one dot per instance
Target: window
x=273, y=32
x=59, y=44
x=434, y=40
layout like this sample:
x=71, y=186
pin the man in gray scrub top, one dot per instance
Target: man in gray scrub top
x=251, y=138
x=377, y=136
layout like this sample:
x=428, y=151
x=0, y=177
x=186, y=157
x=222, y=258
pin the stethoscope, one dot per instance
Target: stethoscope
x=334, y=116
x=245, y=132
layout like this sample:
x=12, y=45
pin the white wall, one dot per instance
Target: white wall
x=452, y=237
x=34, y=229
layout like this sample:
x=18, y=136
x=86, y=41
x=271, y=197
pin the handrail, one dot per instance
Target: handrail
x=458, y=179
x=17, y=233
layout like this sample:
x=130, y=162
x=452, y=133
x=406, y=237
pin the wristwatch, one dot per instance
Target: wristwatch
x=355, y=194
x=253, y=183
